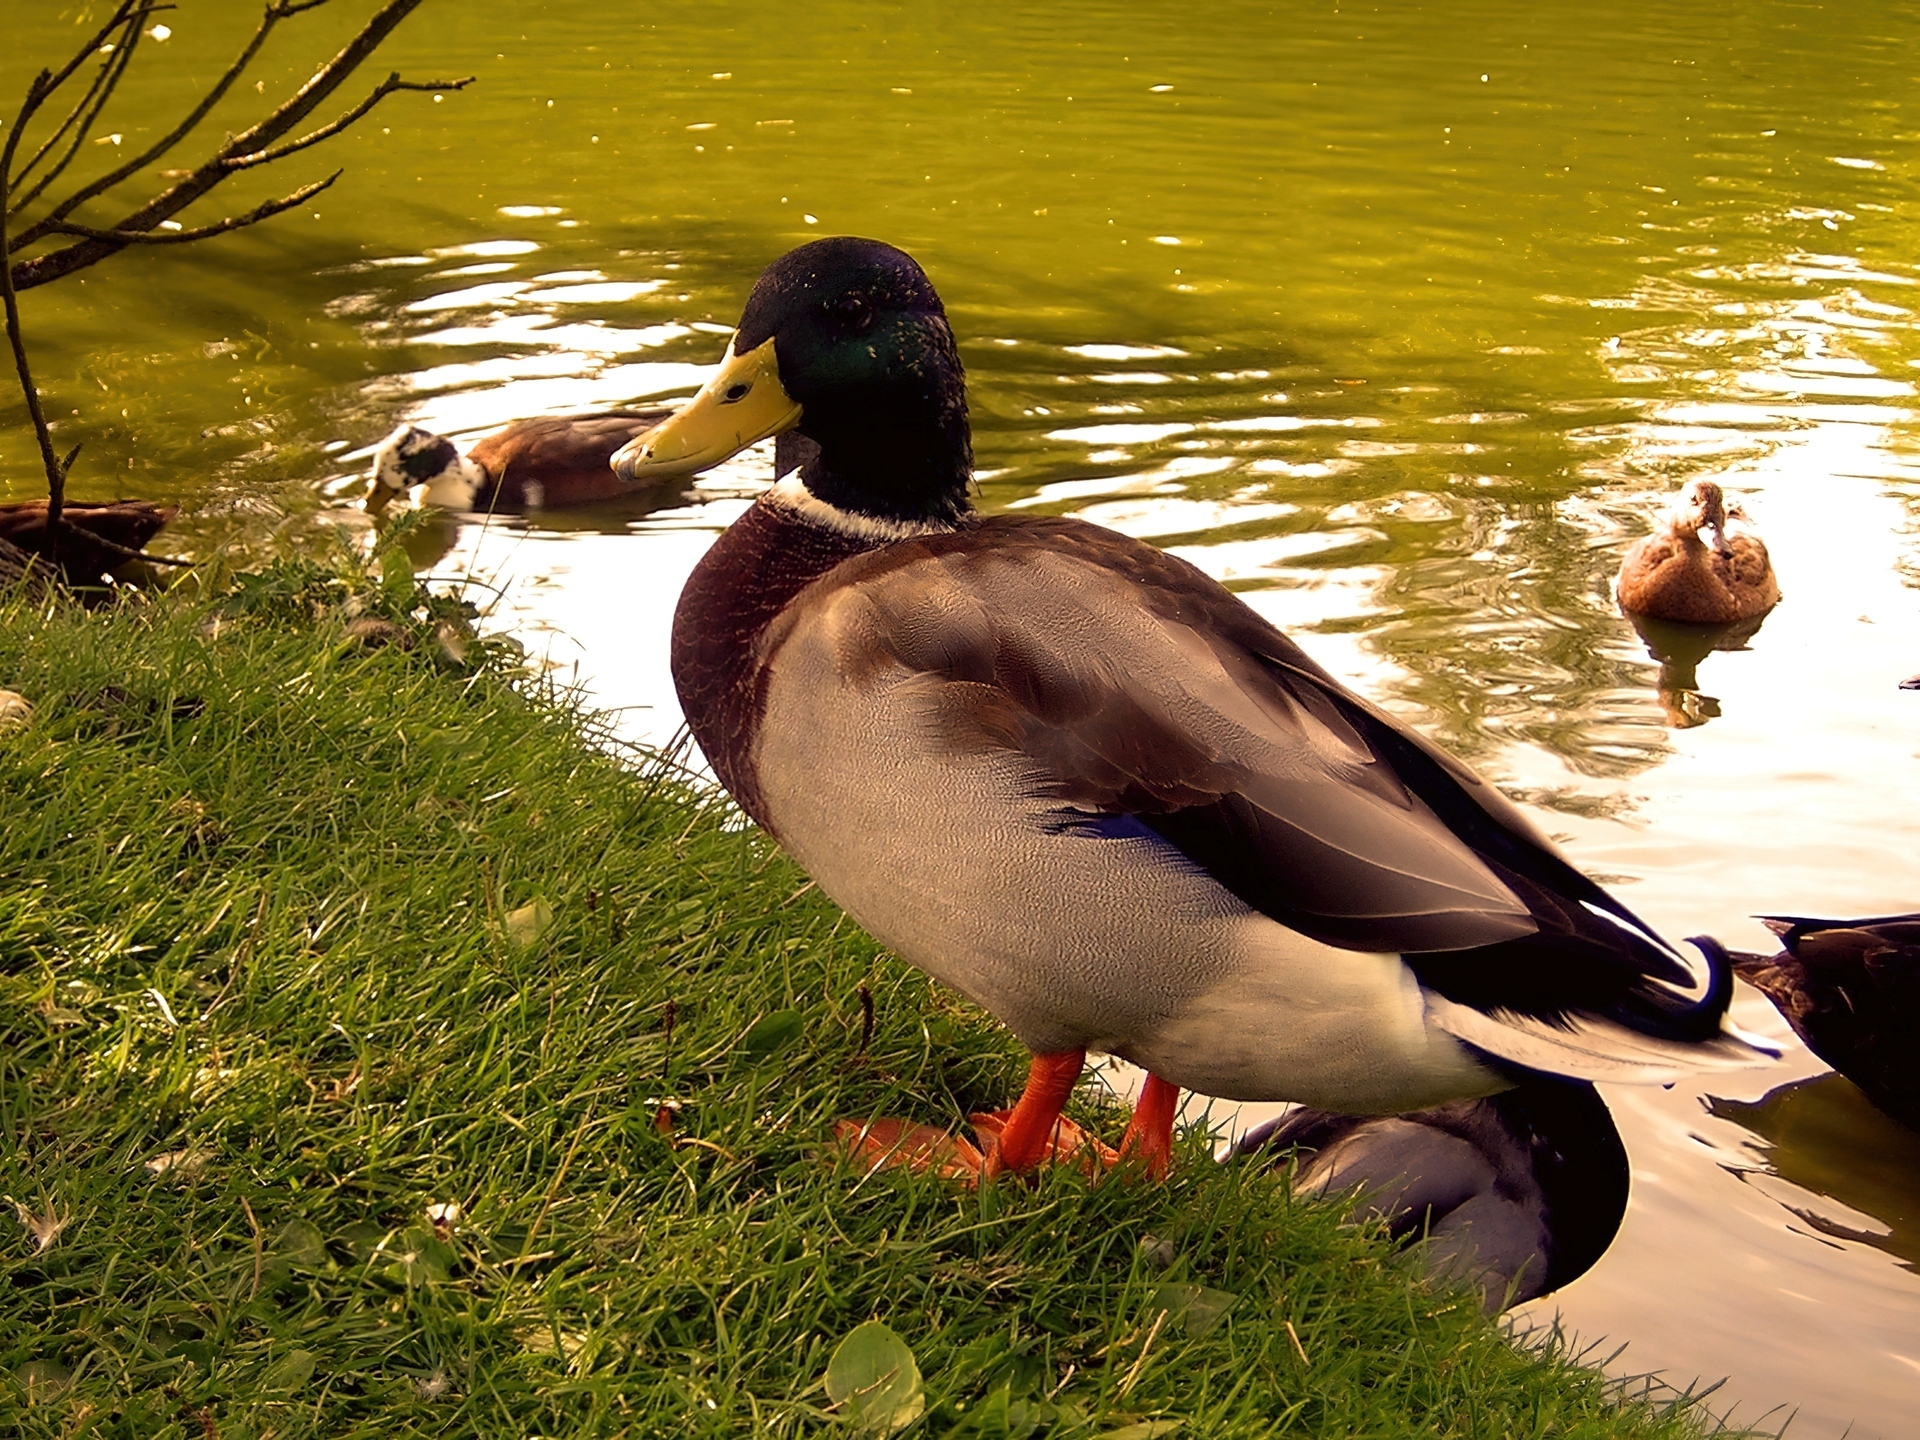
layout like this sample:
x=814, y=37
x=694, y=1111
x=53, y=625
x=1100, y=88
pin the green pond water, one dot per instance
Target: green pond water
x=1403, y=321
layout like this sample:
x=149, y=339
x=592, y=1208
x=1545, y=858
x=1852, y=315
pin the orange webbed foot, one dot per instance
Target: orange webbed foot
x=885, y=1143
x=1066, y=1143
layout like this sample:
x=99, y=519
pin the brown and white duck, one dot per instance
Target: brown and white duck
x=1703, y=566
x=126, y=525
x=1851, y=991
x=545, y=463
x=1080, y=782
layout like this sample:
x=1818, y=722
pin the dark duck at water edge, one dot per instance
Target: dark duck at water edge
x=545, y=463
x=1851, y=991
x=76, y=551
x=1702, y=566
x=1078, y=781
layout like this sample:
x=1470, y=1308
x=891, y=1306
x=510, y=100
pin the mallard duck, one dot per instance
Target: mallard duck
x=1703, y=566
x=1851, y=991
x=125, y=524
x=1521, y=1192
x=541, y=464
x=1080, y=782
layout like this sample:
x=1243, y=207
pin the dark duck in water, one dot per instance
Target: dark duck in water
x=1703, y=566
x=541, y=464
x=1851, y=991
x=77, y=551
x=1520, y=1192
x=1080, y=782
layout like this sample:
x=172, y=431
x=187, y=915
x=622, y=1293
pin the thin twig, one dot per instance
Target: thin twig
x=56, y=473
x=173, y=137
x=1133, y=1375
x=261, y=136
x=259, y=1249
x=180, y=237
x=107, y=76
x=113, y=547
x=385, y=88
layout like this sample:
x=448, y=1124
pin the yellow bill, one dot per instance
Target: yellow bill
x=741, y=404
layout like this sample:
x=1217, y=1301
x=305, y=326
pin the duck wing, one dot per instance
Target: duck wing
x=562, y=443
x=1145, y=700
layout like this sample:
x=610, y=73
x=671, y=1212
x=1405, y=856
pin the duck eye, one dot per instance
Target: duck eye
x=852, y=312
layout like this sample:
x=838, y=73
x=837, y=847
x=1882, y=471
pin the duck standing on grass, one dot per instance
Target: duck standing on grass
x=541, y=464
x=1703, y=566
x=1080, y=782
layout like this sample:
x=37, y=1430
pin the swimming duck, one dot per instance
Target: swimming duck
x=1521, y=1192
x=1080, y=782
x=540, y=464
x=1851, y=991
x=126, y=524
x=1703, y=566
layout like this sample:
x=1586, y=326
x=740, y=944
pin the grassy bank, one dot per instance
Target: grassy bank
x=306, y=940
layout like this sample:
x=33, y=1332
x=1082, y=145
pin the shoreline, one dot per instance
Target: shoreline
x=336, y=956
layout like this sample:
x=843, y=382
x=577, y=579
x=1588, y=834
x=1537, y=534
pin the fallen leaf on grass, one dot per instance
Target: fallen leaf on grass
x=299, y=1245
x=45, y=1229
x=16, y=711
x=530, y=921
x=1198, y=1308
x=289, y=1372
x=176, y=1162
x=874, y=1381
x=443, y=1216
x=773, y=1032
x=43, y=1380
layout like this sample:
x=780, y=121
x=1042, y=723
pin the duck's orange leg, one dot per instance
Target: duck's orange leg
x=1027, y=1135
x=1149, y=1136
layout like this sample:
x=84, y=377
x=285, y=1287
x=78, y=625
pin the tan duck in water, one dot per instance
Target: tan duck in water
x=77, y=551
x=546, y=463
x=1701, y=567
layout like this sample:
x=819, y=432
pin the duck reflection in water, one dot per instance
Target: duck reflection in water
x=1680, y=648
x=1519, y=1193
x=1824, y=1137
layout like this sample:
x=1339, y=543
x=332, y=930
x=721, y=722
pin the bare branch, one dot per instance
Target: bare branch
x=126, y=552
x=222, y=227
x=385, y=88
x=87, y=112
x=160, y=147
x=56, y=474
x=54, y=83
x=51, y=266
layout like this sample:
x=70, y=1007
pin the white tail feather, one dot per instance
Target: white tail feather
x=1591, y=1047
